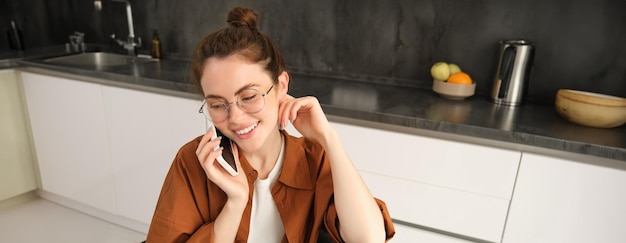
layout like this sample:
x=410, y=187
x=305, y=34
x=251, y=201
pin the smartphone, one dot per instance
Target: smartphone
x=227, y=159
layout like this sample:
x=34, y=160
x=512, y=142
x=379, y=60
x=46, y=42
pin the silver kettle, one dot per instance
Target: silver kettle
x=510, y=85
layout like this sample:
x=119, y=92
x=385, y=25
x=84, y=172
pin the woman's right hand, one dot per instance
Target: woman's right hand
x=236, y=187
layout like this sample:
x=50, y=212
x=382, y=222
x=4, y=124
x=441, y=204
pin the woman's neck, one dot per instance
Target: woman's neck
x=265, y=158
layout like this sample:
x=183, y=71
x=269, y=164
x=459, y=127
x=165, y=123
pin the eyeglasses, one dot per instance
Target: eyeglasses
x=250, y=101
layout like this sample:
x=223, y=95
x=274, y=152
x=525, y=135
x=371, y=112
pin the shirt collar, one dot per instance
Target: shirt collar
x=295, y=171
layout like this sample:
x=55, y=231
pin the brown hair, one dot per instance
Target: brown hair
x=240, y=37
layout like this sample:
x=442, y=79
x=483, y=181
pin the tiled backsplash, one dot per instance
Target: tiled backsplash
x=578, y=43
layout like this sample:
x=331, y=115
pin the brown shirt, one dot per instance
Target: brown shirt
x=189, y=203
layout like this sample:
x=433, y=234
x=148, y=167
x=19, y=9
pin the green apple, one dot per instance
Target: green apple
x=440, y=71
x=453, y=68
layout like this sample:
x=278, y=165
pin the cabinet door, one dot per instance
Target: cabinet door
x=69, y=133
x=455, y=187
x=17, y=172
x=463, y=166
x=145, y=132
x=445, y=209
x=557, y=200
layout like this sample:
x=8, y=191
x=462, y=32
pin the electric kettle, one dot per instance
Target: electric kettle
x=510, y=85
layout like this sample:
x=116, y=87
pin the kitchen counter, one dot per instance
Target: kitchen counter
x=386, y=104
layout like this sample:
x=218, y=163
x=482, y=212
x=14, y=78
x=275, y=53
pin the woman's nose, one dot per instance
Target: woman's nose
x=235, y=112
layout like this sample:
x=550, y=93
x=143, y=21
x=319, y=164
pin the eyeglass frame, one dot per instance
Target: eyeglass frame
x=236, y=102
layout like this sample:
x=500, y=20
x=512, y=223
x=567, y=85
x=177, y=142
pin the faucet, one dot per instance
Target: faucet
x=132, y=42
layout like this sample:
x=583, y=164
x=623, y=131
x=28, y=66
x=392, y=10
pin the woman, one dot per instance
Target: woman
x=288, y=189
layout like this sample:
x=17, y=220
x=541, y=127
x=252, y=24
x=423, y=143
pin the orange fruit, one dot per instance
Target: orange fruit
x=460, y=78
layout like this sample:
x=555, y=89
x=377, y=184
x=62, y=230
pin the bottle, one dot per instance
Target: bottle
x=156, y=45
x=16, y=42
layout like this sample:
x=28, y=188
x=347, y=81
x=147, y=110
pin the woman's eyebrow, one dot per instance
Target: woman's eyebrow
x=247, y=86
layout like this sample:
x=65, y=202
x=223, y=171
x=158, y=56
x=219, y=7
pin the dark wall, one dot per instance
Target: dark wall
x=578, y=43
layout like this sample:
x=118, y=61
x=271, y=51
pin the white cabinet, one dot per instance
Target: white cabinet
x=107, y=147
x=559, y=200
x=17, y=172
x=455, y=187
x=69, y=133
x=145, y=130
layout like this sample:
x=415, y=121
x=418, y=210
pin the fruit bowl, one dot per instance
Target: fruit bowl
x=591, y=109
x=453, y=91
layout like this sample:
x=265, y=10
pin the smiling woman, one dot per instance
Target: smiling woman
x=288, y=189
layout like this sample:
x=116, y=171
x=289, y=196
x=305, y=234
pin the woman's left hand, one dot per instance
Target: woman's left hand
x=306, y=115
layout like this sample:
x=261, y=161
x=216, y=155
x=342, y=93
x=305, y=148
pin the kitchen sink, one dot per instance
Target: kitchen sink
x=97, y=59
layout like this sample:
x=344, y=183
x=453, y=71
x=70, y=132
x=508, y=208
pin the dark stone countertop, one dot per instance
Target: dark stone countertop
x=408, y=109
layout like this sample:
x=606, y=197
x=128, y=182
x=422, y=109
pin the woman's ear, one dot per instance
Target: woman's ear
x=283, y=83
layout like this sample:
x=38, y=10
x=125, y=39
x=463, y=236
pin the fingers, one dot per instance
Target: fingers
x=284, y=109
x=208, y=150
x=203, y=142
x=290, y=107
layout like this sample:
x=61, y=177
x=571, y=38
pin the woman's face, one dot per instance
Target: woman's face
x=223, y=79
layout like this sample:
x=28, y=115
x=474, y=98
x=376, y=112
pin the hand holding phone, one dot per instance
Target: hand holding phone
x=227, y=159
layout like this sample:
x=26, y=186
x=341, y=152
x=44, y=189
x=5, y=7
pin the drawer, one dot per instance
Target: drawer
x=446, y=209
x=449, y=164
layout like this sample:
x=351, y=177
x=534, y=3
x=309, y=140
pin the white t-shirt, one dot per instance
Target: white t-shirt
x=265, y=223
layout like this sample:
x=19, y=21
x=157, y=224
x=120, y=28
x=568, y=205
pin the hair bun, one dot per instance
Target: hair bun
x=243, y=17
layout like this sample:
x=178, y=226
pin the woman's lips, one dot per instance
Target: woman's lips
x=246, y=130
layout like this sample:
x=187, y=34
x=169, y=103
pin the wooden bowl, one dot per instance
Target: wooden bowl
x=591, y=109
x=453, y=91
